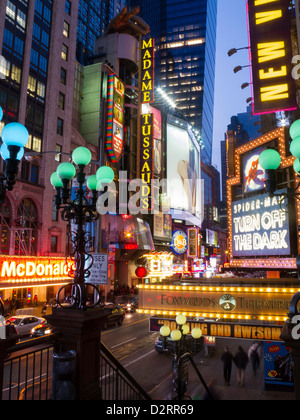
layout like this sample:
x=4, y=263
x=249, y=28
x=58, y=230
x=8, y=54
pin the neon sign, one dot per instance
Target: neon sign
x=24, y=269
x=147, y=160
x=147, y=70
x=271, y=56
x=115, y=118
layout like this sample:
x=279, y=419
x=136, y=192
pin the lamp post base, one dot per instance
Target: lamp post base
x=80, y=331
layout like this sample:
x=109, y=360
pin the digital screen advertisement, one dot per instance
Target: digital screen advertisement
x=183, y=172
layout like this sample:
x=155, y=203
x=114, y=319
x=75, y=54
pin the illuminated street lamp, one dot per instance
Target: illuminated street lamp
x=80, y=210
x=14, y=137
x=181, y=355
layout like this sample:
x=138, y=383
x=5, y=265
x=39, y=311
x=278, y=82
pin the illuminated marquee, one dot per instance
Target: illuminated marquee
x=231, y=303
x=147, y=55
x=260, y=260
x=221, y=329
x=260, y=227
x=147, y=160
x=31, y=270
x=271, y=56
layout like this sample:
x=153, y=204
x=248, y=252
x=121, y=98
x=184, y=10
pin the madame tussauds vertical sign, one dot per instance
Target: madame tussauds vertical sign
x=260, y=227
x=147, y=70
x=271, y=55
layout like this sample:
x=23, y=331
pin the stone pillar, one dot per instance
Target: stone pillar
x=80, y=331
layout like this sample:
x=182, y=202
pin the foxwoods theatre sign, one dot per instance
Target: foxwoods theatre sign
x=260, y=227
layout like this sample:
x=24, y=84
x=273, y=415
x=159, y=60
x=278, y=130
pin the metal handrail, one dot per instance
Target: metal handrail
x=119, y=369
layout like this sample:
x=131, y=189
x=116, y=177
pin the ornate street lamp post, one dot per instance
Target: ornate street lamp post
x=80, y=210
x=179, y=360
x=14, y=137
x=270, y=161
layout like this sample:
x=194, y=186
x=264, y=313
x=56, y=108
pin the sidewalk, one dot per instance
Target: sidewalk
x=211, y=368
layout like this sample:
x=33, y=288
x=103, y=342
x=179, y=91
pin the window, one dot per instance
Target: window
x=53, y=244
x=58, y=149
x=66, y=30
x=60, y=126
x=68, y=7
x=61, y=101
x=64, y=53
x=63, y=76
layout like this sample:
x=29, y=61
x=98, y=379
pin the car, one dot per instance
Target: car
x=128, y=303
x=41, y=330
x=24, y=323
x=115, y=314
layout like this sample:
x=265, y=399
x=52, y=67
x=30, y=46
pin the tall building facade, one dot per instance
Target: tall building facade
x=40, y=87
x=185, y=35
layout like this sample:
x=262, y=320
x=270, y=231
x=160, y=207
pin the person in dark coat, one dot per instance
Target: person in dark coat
x=227, y=359
x=241, y=361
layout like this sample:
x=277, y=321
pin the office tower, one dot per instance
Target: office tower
x=185, y=35
x=93, y=19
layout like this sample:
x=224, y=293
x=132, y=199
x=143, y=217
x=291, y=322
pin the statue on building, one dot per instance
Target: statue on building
x=126, y=22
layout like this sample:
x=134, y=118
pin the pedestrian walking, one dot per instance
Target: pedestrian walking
x=241, y=361
x=44, y=308
x=254, y=357
x=227, y=359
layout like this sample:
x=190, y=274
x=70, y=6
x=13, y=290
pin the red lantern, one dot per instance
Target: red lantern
x=141, y=272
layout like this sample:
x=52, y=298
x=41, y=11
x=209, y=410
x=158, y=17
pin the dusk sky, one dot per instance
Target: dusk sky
x=230, y=99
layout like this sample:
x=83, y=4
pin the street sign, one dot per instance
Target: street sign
x=99, y=269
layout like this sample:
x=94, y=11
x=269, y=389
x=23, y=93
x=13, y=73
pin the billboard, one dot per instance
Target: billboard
x=271, y=56
x=254, y=175
x=183, y=173
x=260, y=227
x=115, y=118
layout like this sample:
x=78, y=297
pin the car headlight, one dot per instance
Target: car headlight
x=47, y=331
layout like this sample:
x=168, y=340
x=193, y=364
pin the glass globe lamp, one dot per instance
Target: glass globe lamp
x=55, y=180
x=295, y=147
x=15, y=134
x=295, y=129
x=196, y=333
x=270, y=159
x=6, y=154
x=181, y=319
x=165, y=331
x=81, y=156
x=92, y=183
x=66, y=171
x=176, y=335
x=1, y=113
x=105, y=174
x=297, y=166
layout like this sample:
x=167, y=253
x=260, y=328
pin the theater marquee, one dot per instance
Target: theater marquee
x=232, y=303
x=271, y=56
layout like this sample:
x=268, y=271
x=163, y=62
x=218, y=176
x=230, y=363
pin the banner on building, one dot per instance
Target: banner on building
x=271, y=56
x=115, y=118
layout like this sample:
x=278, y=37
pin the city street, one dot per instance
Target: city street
x=133, y=345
